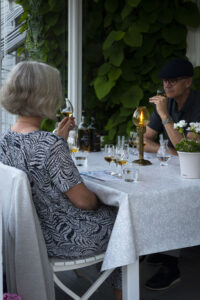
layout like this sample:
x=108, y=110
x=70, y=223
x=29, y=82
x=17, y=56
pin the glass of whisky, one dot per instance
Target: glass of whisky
x=109, y=156
x=68, y=110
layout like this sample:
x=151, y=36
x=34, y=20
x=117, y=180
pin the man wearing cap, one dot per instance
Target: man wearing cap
x=180, y=103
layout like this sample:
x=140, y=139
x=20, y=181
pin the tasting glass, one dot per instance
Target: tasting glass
x=109, y=156
x=73, y=142
x=163, y=153
x=68, y=110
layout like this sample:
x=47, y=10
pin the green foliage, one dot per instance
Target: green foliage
x=188, y=146
x=125, y=43
x=46, y=32
x=137, y=37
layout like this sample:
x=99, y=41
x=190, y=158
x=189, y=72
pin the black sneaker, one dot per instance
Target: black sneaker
x=157, y=259
x=163, y=279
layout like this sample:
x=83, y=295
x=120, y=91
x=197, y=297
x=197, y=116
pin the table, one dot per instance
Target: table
x=160, y=212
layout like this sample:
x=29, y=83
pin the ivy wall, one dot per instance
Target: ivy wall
x=125, y=43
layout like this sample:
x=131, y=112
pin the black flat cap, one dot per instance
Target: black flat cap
x=176, y=67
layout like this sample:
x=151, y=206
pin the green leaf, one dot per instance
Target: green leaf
x=104, y=69
x=141, y=26
x=133, y=37
x=188, y=14
x=48, y=125
x=124, y=112
x=108, y=20
x=116, y=55
x=114, y=73
x=103, y=86
x=114, y=120
x=113, y=36
x=126, y=11
x=111, y=5
x=131, y=98
x=149, y=6
x=133, y=3
x=166, y=50
x=174, y=34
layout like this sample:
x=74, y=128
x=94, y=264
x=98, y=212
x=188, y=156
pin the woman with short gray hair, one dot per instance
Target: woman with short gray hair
x=74, y=222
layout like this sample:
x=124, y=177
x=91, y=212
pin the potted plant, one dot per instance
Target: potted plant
x=189, y=150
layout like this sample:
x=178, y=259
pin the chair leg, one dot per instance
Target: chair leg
x=65, y=288
x=89, y=292
x=96, y=284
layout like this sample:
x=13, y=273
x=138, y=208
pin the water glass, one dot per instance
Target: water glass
x=81, y=158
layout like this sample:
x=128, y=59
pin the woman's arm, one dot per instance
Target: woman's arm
x=82, y=197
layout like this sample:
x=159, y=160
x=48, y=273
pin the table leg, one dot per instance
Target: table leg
x=130, y=281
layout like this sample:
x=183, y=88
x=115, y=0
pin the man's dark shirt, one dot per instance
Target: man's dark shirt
x=190, y=112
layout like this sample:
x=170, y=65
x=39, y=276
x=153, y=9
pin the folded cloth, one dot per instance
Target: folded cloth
x=101, y=175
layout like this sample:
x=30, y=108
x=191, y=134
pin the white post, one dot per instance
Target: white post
x=75, y=56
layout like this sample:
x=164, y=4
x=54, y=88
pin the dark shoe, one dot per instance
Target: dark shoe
x=163, y=279
x=156, y=259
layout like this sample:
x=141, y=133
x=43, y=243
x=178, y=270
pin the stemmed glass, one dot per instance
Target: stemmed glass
x=133, y=142
x=109, y=156
x=73, y=143
x=65, y=112
x=68, y=110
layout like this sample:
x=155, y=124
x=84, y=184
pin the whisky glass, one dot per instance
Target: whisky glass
x=109, y=155
x=68, y=110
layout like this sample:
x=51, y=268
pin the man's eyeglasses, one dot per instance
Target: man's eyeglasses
x=173, y=81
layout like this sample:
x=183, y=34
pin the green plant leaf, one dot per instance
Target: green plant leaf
x=107, y=20
x=103, y=86
x=104, y=69
x=113, y=36
x=116, y=55
x=114, y=73
x=131, y=98
x=124, y=112
x=126, y=11
x=150, y=6
x=111, y=5
x=48, y=125
x=133, y=37
x=188, y=14
x=133, y=3
x=174, y=34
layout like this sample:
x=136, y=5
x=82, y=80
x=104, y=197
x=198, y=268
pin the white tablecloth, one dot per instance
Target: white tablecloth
x=159, y=212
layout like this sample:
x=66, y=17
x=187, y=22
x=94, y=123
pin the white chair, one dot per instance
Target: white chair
x=60, y=265
x=30, y=273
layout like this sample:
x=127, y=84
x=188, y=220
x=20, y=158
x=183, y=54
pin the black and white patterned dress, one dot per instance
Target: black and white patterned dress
x=68, y=231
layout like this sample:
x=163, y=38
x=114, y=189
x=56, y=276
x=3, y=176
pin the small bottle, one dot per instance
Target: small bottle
x=84, y=134
x=95, y=138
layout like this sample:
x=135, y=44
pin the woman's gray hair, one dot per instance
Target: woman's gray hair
x=32, y=89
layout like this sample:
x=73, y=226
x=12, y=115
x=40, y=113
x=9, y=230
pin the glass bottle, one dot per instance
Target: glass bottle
x=95, y=138
x=84, y=134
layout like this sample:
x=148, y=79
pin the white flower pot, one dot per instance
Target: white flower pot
x=189, y=164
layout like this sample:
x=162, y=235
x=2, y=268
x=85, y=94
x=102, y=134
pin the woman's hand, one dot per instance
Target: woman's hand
x=65, y=126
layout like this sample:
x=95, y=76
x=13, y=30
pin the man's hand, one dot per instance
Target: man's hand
x=161, y=106
x=65, y=126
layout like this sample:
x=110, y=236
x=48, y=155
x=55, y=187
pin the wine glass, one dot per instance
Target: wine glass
x=68, y=110
x=160, y=91
x=133, y=142
x=65, y=112
x=163, y=153
x=109, y=156
x=73, y=142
